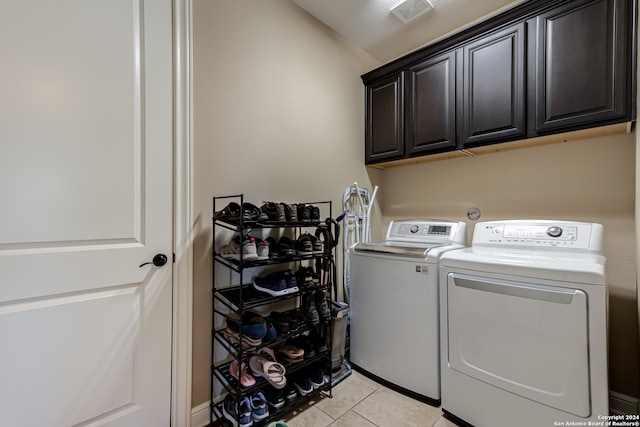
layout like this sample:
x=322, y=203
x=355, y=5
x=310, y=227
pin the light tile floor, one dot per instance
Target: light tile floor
x=360, y=402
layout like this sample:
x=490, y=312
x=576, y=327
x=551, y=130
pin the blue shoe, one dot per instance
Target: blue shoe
x=229, y=412
x=274, y=284
x=253, y=325
x=292, y=282
x=259, y=407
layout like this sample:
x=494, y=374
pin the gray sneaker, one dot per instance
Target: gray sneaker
x=240, y=247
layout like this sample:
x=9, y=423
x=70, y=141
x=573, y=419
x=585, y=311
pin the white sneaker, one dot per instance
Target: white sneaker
x=236, y=249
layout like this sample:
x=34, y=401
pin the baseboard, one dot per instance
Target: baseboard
x=621, y=404
x=200, y=415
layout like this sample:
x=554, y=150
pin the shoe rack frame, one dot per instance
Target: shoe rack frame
x=239, y=296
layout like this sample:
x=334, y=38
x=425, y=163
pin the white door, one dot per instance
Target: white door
x=86, y=198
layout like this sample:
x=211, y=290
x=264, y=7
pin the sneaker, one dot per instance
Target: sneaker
x=259, y=407
x=274, y=211
x=286, y=247
x=316, y=378
x=309, y=308
x=252, y=214
x=303, y=245
x=274, y=250
x=292, y=282
x=275, y=397
x=290, y=392
x=317, y=244
x=230, y=413
x=291, y=213
x=291, y=321
x=314, y=213
x=274, y=284
x=240, y=248
x=304, y=214
x=322, y=306
x=303, y=384
x=279, y=322
x=262, y=249
x=307, y=278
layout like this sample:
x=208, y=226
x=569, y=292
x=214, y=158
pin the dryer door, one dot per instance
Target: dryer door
x=529, y=339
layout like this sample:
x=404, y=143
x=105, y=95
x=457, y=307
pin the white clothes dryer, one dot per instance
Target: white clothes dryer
x=395, y=326
x=524, y=325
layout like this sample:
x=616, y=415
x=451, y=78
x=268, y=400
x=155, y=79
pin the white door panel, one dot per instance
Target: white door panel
x=86, y=184
x=528, y=339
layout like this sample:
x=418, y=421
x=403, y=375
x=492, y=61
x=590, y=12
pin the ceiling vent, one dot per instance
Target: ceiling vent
x=408, y=10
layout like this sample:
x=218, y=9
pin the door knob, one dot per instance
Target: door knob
x=158, y=260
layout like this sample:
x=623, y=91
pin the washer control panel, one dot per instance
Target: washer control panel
x=539, y=234
x=420, y=231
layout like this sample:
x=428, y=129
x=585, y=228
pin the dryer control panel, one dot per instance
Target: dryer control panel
x=539, y=234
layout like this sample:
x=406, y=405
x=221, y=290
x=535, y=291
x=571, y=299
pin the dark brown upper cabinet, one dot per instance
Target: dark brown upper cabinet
x=430, y=119
x=581, y=64
x=384, y=132
x=540, y=68
x=492, y=99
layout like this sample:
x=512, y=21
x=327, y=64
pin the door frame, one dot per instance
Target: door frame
x=181, y=365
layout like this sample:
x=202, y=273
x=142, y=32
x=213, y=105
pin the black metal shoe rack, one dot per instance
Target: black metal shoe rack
x=237, y=297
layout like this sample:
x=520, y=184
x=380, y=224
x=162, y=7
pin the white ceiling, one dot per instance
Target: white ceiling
x=370, y=25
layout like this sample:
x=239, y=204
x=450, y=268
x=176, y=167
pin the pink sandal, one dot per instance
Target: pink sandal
x=245, y=379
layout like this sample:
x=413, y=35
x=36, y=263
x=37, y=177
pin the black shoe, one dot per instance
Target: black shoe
x=318, y=343
x=304, y=342
x=309, y=309
x=307, y=278
x=290, y=392
x=275, y=397
x=316, y=378
x=322, y=306
x=303, y=384
x=304, y=214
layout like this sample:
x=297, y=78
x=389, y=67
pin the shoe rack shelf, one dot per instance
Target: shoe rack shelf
x=239, y=295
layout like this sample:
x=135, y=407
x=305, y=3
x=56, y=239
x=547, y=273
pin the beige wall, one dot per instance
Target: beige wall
x=279, y=113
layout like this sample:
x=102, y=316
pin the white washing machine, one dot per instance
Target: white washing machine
x=524, y=325
x=394, y=305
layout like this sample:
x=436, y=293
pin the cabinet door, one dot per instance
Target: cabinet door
x=581, y=62
x=384, y=133
x=431, y=108
x=493, y=89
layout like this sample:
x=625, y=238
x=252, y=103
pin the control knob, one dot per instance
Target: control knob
x=554, y=231
x=414, y=229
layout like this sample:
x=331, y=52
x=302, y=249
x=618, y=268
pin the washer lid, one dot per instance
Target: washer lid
x=413, y=250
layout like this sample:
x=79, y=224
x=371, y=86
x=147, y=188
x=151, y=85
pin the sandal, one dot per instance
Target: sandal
x=271, y=371
x=230, y=213
x=245, y=379
x=290, y=353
